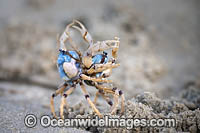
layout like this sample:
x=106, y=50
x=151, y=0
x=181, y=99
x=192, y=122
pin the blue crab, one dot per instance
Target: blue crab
x=93, y=67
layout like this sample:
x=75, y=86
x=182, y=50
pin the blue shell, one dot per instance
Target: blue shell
x=62, y=57
x=97, y=59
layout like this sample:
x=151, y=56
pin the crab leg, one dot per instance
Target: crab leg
x=116, y=97
x=63, y=101
x=104, y=45
x=122, y=102
x=85, y=77
x=116, y=94
x=58, y=91
x=85, y=34
x=104, y=97
x=96, y=96
x=89, y=100
x=115, y=48
x=101, y=67
x=66, y=36
x=116, y=102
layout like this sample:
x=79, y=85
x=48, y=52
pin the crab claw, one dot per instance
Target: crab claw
x=86, y=35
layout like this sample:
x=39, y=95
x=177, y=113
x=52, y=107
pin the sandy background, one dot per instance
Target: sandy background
x=159, y=53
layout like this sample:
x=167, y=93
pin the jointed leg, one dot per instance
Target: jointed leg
x=85, y=77
x=101, y=67
x=107, y=99
x=104, y=89
x=104, y=97
x=73, y=45
x=63, y=101
x=122, y=102
x=116, y=102
x=66, y=36
x=115, y=49
x=58, y=91
x=96, y=96
x=116, y=97
x=116, y=94
x=106, y=73
x=85, y=34
x=89, y=100
x=104, y=45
